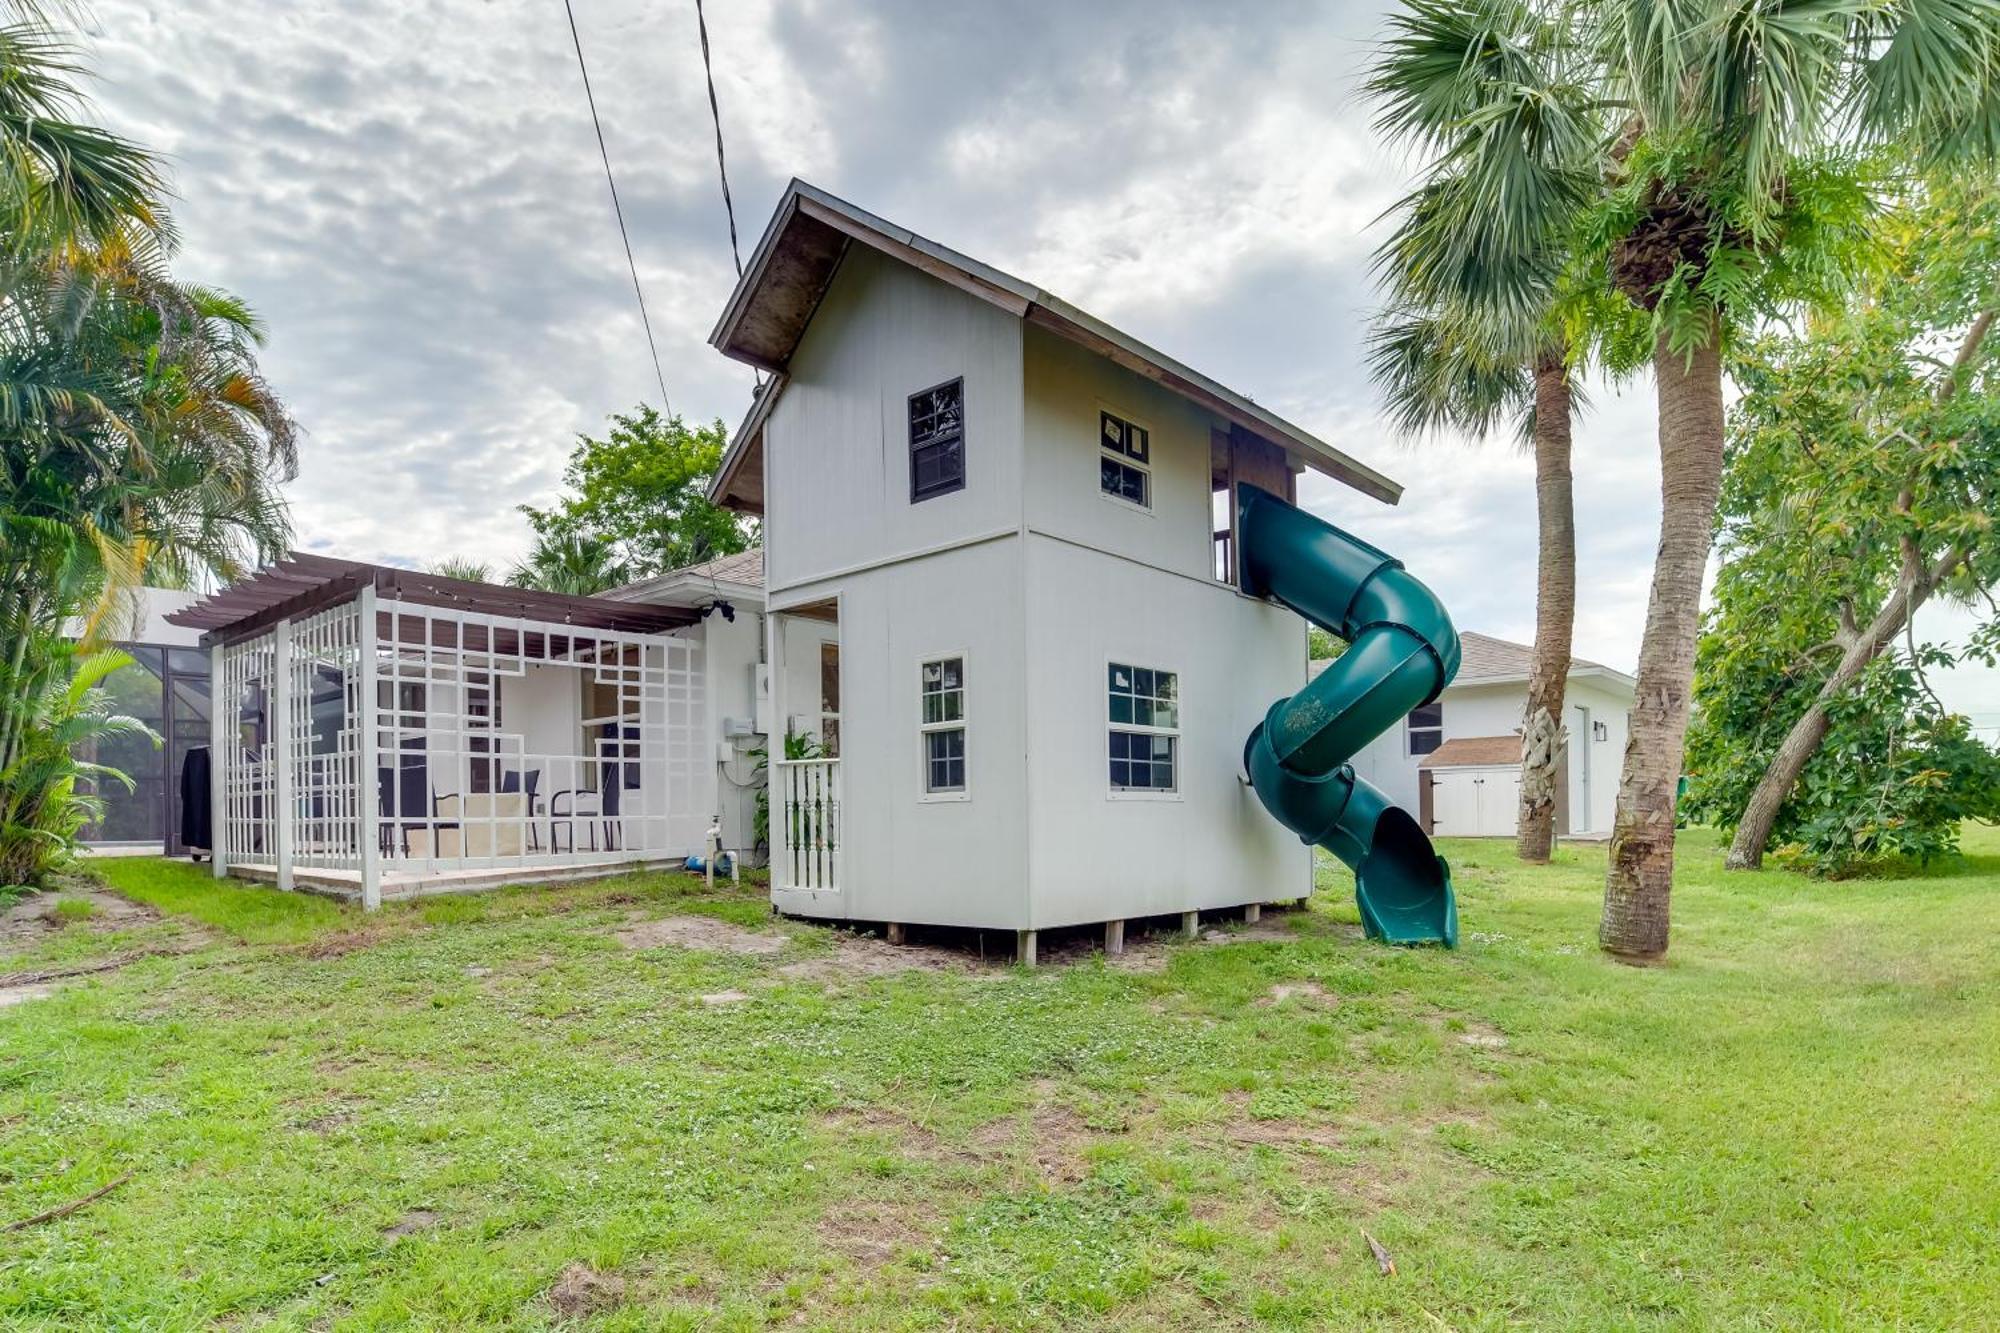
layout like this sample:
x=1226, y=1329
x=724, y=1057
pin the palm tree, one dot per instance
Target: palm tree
x=1434, y=381
x=63, y=182
x=1485, y=90
x=137, y=438
x=463, y=567
x=1728, y=178
x=579, y=566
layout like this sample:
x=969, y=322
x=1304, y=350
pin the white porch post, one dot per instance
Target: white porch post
x=280, y=725
x=778, y=827
x=366, y=799
x=221, y=716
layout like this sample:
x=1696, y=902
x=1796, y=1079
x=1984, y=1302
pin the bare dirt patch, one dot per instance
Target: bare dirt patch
x=32, y=990
x=1053, y=1136
x=410, y=1223
x=725, y=997
x=914, y=1139
x=582, y=1291
x=860, y=956
x=340, y=943
x=32, y=919
x=706, y=933
x=1282, y=1134
x=1303, y=992
x=873, y=1234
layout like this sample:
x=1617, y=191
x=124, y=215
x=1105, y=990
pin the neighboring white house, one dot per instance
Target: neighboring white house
x=998, y=563
x=1457, y=762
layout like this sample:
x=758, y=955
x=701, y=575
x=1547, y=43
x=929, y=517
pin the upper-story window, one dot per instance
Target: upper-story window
x=1125, y=458
x=937, y=440
x=1425, y=728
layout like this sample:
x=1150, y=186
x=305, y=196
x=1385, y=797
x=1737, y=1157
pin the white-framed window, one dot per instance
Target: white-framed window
x=941, y=726
x=1424, y=728
x=1143, y=732
x=1124, y=460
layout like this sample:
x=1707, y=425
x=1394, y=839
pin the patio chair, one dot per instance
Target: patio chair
x=515, y=781
x=594, y=808
x=399, y=793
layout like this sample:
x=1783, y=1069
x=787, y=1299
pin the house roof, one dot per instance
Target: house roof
x=1474, y=752
x=301, y=583
x=796, y=260
x=739, y=577
x=1485, y=660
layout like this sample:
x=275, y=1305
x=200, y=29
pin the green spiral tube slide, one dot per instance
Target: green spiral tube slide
x=1401, y=653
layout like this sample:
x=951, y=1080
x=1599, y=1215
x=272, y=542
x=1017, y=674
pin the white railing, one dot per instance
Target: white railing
x=806, y=794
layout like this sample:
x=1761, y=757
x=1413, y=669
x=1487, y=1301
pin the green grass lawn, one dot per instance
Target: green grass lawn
x=494, y=1112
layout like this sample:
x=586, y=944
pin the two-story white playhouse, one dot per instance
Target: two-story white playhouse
x=998, y=563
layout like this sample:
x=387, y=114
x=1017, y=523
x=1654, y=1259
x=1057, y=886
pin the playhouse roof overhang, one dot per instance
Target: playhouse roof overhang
x=300, y=584
x=795, y=261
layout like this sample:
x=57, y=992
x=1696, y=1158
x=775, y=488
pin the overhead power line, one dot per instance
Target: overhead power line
x=715, y=114
x=617, y=210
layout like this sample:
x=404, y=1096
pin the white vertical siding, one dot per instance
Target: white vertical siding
x=960, y=863
x=1093, y=857
x=837, y=470
x=1066, y=388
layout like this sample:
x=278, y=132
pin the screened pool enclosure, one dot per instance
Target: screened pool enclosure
x=384, y=733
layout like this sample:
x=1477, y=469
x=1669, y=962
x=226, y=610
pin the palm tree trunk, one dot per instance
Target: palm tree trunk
x=1638, y=886
x=1555, y=613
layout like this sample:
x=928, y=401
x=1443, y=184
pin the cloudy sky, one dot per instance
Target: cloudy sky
x=409, y=192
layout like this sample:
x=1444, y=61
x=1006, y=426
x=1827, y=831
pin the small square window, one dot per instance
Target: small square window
x=1424, y=728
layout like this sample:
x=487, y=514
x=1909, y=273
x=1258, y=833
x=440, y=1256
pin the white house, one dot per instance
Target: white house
x=1457, y=762
x=998, y=575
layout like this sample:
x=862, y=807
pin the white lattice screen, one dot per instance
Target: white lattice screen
x=248, y=817
x=507, y=741
x=498, y=742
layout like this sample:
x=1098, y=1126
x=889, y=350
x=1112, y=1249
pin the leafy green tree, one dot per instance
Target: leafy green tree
x=41, y=809
x=137, y=438
x=641, y=491
x=1730, y=181
x=1863, y=474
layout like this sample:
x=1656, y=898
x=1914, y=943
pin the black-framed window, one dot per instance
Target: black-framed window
x=1145, y=724
x=937, y=440
x=1124, y=465
x=1425, y=728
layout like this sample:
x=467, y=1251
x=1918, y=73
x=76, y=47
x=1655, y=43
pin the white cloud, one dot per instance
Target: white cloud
x=411, y=196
